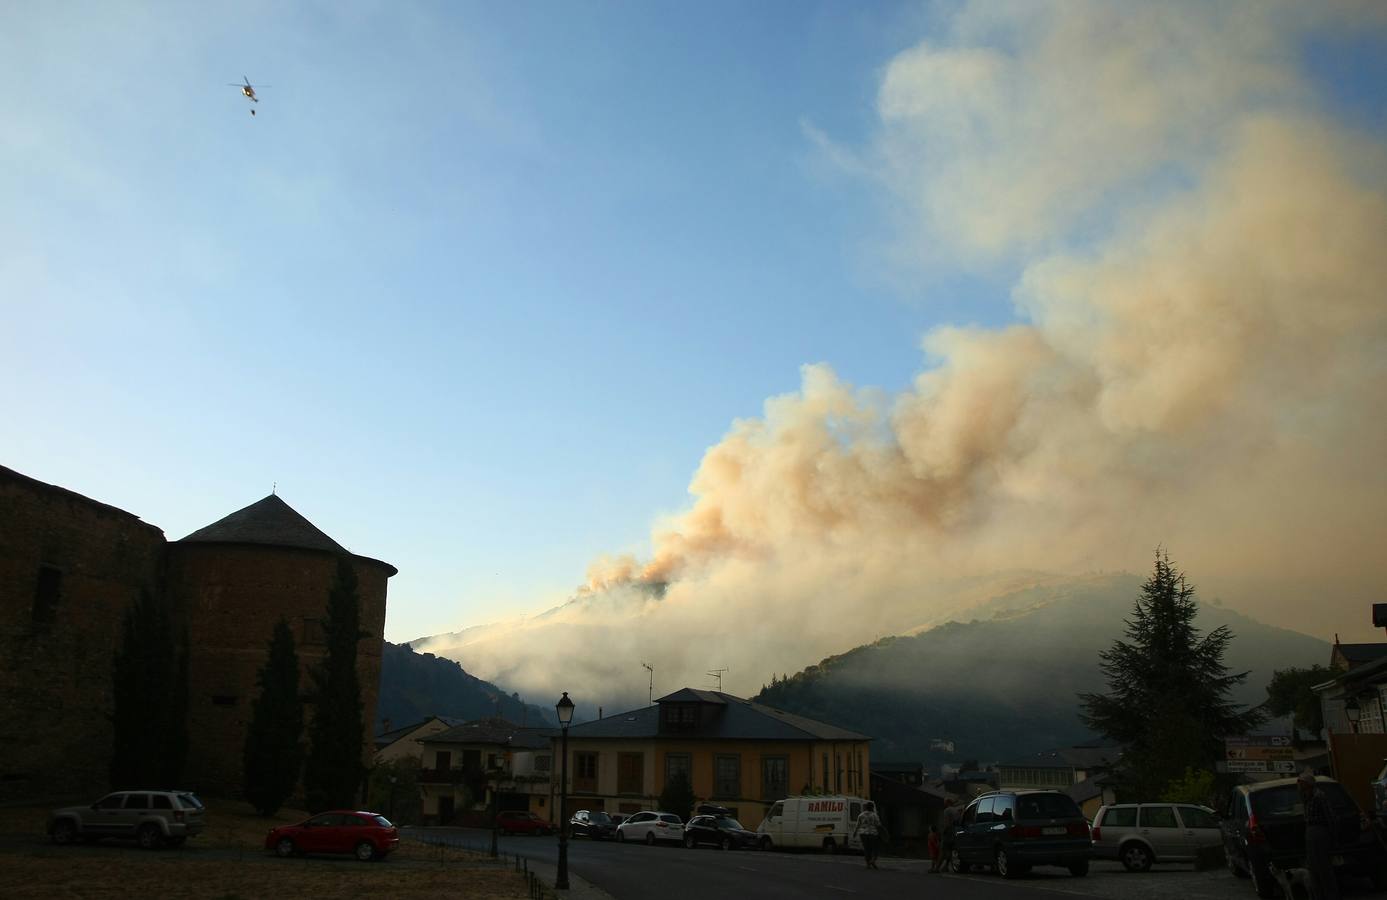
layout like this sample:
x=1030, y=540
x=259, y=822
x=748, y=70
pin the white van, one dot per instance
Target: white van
x=822, y=822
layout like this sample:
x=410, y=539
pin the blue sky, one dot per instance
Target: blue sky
x=478, y=284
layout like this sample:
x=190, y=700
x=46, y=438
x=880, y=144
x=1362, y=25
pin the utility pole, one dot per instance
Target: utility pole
x=651, y=697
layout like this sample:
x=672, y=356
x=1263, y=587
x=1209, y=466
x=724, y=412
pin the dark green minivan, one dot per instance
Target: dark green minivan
x=1011, y=831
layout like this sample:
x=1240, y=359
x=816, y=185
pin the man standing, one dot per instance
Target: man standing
x=1319, y=837
x=947, y=821
x=868, y=825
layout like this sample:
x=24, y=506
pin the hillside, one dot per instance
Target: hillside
x=414, y=686
x=1004, y=685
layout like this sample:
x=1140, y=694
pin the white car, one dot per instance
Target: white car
x=651, y=827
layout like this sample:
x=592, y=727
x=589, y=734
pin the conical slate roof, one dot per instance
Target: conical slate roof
x=268, y=521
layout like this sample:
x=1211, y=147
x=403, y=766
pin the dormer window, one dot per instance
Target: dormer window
x=679, y=716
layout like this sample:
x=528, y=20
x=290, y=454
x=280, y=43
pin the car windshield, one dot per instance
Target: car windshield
x=731, y=823
x=1045, y=806
x=599, y=818
x=1283, y=801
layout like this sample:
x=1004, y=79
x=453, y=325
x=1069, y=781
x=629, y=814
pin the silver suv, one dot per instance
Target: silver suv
x=1139, y=834
x=153, y=818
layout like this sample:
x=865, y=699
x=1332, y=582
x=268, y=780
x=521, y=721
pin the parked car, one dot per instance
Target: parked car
x=595, y=824
x=518, y=822
x=651, y=827
x=365, y=835
x=1264, y=825
x=722, y=831
x=152, y=818
x=1139, y=834
x=1011, y=831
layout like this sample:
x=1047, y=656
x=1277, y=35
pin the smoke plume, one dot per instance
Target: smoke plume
x=1199, y=360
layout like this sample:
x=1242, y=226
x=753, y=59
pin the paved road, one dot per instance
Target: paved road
x=637, y=872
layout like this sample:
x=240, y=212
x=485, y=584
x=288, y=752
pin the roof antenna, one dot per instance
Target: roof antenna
x=274, y=488
x=651, y=697
x=717, y=673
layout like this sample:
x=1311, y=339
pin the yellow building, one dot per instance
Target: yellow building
x=736, y=753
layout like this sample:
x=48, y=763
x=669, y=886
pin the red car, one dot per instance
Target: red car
x=365, y=835
x=516, y=822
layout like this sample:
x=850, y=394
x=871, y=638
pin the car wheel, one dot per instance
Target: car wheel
x=365, y=851
x=620, y=837
x=1079, y=869
x=726, y=843
x=767, y=843
x=650, y=838
x=689, y=841
x=1003, y=864
x=149, y=837
x=285, y=847
x=1135, y=857
x=63, y=832
x=956, y=864
x=1262, y=882
x=830, y=847
x=1237, y=870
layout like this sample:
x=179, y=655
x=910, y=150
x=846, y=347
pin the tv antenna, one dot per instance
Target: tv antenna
x=717, y=673
x=651, y=670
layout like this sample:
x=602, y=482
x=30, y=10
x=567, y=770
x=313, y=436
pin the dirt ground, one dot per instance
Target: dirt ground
x=228, y=862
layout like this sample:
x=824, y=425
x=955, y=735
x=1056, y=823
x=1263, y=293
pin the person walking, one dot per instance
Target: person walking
x=868, y=826
x=1320, y=822
x=947, y=820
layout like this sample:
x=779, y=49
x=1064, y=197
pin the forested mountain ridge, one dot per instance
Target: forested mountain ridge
x=1006, y=685
x=414, y=686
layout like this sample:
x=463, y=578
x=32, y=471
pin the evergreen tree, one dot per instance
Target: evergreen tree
x=273, y=754
x=337, y=737
x=149, y=700
x=678, y=797
x=1168, y=703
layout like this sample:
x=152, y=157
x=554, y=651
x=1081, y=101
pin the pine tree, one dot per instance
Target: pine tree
x=273, y=755
x=1168, y=703
x=678, y=796
x=337, y=737
x=149, y=687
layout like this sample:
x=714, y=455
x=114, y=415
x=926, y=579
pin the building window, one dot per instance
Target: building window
x=542, y=762
x=679, y=716
x=46, y=594
x=677, y=764
x=727, y=776
x=775, y=777
x=312, y=633
x=630, y=773
x=443, y=760
x=585, y=771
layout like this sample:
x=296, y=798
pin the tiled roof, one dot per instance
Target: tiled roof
x=735, y=719
x=397, y=733
x=494, y=731
x=269, y=521
x=1357, y=654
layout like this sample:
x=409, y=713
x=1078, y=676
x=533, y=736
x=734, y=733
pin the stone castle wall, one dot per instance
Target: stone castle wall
x=70, y=567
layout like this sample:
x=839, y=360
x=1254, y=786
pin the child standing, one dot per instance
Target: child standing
x=933, y=849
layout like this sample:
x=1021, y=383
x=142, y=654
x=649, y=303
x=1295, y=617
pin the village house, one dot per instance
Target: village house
x=1080, y=771
x=473, y=770
x=735, y=753
x=395, y=745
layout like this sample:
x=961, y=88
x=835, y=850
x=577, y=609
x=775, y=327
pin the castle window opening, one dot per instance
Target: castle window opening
x=46, y=594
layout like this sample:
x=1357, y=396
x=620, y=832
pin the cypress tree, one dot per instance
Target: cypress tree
x=149, y=693
x=337, y=736
x=273, y=753
x=1168, y=702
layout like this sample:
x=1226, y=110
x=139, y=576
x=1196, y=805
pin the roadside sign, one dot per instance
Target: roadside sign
x=1247, y=765
x=1266, y=748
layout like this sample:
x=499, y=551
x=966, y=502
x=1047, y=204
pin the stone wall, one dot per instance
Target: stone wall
x=69, y=568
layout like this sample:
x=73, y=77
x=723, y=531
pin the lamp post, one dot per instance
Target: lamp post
x=565, y=710
x=1354, y=713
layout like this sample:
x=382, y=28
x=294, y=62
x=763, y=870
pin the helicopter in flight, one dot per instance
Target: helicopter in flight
x=248, y=91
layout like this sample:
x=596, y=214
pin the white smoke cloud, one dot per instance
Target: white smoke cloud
x=1199, y=361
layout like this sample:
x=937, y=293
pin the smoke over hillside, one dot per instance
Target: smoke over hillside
x=1199, y=360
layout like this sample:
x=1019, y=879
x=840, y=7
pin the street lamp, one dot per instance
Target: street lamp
x=1354, y=713
x=565, y=710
